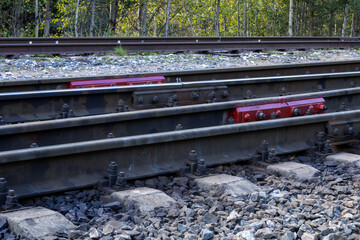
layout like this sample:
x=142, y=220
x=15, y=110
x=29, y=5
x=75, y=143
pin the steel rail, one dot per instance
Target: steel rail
x=41, y=170
x=193, y=75
x=45, y=105
x=71, y=130
x=31, y=40
x=10, y=49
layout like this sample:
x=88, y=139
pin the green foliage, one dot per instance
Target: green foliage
x=119, y=51
x=187, y=17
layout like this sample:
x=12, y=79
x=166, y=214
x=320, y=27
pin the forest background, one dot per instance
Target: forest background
x=83, y=18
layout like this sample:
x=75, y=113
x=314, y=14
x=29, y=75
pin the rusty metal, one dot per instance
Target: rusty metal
x=45, y=105
x=41, y=170
x=195, y=75
x=99, y=45
x=57, y=40
x=46, y=133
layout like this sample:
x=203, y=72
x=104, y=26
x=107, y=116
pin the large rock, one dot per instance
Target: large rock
x=36, y=223
x=346, y=158
x=231, y=185
x=293, y=170
x=145, y=199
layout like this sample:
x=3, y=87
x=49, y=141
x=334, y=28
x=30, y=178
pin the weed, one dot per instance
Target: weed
x=119, y=51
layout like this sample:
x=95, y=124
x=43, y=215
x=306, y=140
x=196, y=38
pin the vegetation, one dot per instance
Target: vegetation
x=119, y=51
x=67, y=18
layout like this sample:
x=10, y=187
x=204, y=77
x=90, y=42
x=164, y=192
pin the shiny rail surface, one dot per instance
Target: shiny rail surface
x=55, y=104
x=21, y=46
x=61, y=131
x=40, y=170
x=193, y=75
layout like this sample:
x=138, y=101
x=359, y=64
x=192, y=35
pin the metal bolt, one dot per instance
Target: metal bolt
x=155, y=100
x=112, y=173
x=121, y=106
x=283, y=91
x=296, y=112
x=328, y=147
x=335, y=132
x=34, y=145
x=310, y=110
x=11, y=200
x=140, y=100
x=264, y=145
x=201, y=167
x=178, y=127
x=225, y=94
x=260, y=116
x=193, y=156
x=110, y=135
x=248, y=94
x=231, y=120
x=4, y=190
x=349, y=130
x=194, y=96
x=273, y=115
x=121, y=181
x=342, y=107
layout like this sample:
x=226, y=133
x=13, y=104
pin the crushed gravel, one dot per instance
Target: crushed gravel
x=326, y=207
x=33, y=67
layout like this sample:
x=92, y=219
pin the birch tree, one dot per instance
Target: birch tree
x=167, y=18
x=291, y=14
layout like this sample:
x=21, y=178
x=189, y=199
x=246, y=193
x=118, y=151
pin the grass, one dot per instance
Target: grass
x=119, y=51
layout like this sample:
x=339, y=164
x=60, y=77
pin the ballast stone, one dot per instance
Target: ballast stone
x=346, y=158
x=37, y=223
x=293, y=170
x=231, y=185
x=145, y=199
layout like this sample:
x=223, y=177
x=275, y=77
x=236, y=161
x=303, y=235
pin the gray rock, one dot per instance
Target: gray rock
x=75, y=234
x=206, y=234
x=210, y=218
x=265, y=233
x=288, y=236
x=94, y=233
x=182, y=228
x=248, y=235
x=310, y=236
x=3, y=223
x=256, y=225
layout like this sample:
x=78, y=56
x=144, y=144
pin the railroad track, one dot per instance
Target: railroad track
x=20, y=46
x=51, y=156
x=191, y=76
x=68, y=103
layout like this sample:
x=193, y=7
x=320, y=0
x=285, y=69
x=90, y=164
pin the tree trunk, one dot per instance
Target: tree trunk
x=331, y=23
x=17, y=17
x=113, y=15
x=167, y=18
x=47, y=18
x=245, y=18
x=345, y=17
x=76, y=17
x=291, y=14
x=353, y=25
x=217, y=22
x=311, y=29
x=238, y=17
x=92, y=21
x=144, y=20
x=37, y=18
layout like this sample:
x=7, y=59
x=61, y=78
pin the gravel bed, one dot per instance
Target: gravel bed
x=324, y=208
x=32, y=67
